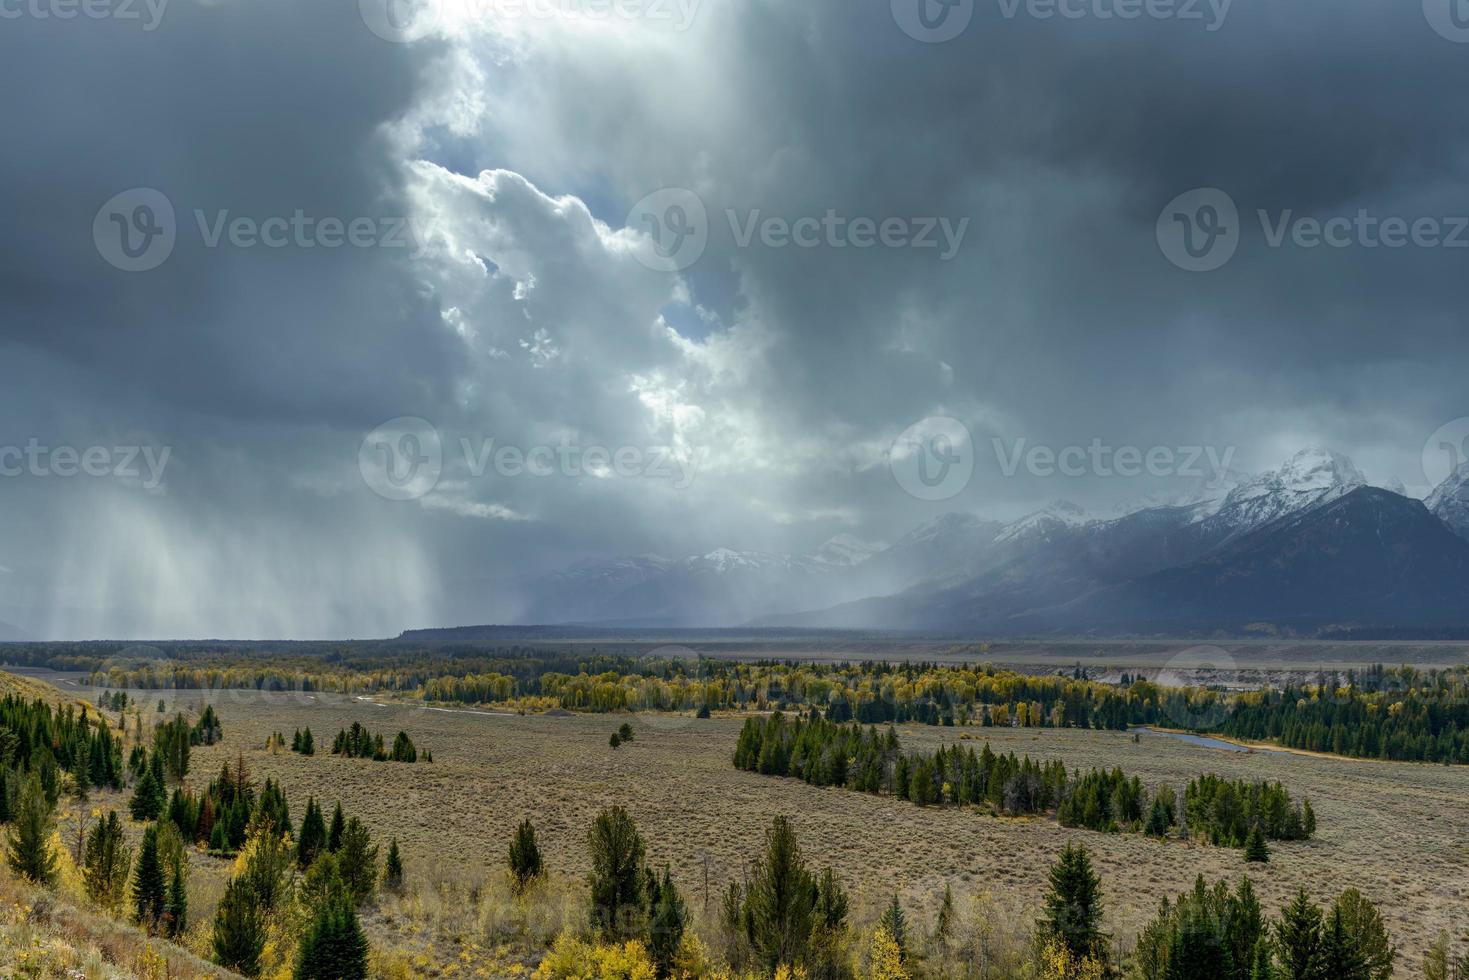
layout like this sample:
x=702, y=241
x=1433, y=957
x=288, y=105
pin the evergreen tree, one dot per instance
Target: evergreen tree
x=149, y=886
x=943, y=926
x=616, y=884
x=896, y=923
x=176, y=909
x=1073, y=909
x=308, y=744
x=1298, y=940
x=333, y=946
x=239, y=930
x=1366, y=933
x=393, y=868
x=1341, y=959
x=148, y=796
x=1256, y=850
x=106, y=861
x=313, y=834
x=525, y=856
x=339, y=824
x=614, y=741
x=667, y=919
x=780, y=904
x=29, y=841
x=357, y=861
x=1260, y=968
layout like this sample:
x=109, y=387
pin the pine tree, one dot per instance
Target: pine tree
x=308, y=744
x=1341, y=959
x=239, y=930
x=1261, y=968
x=667, y=919
x=943, y=927
x=1073, y=912
x=357, y=861
x=896, y=924
x=614, y=741
x=148, y=799
x=780, y=903
x=333, y=946
x=29, y=841
x=149, y=887
x=525, y=856
x=1298, y=940
x=176, y=909
x=1367, y=934
x=616, y=852
x=1436, y=962
x=393, y=868
x=313, y=834
x=339, y=824
x=106, y=861
x=1256, y=850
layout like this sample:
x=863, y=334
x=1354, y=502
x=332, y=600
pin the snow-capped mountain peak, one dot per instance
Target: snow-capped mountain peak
x=846, y=549
x=1056, y=516
x=1449, y=501
x=1314, y=469
x=1310, y=477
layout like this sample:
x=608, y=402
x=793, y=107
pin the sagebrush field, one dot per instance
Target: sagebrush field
x=1397, y=831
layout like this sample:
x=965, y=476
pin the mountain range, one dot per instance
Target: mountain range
x=1307, y=548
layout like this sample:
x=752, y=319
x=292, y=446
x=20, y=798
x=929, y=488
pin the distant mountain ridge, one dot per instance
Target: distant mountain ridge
x=1307, y=547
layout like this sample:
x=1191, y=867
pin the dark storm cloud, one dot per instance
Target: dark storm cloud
x=1058, y=320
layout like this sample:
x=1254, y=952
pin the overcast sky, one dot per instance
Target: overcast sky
x=994, y=244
